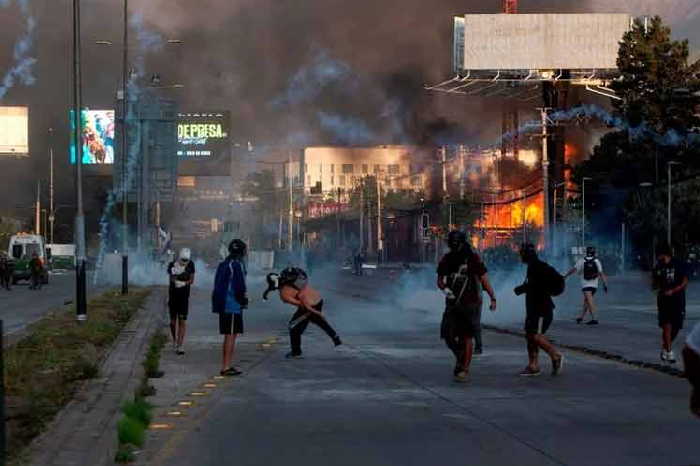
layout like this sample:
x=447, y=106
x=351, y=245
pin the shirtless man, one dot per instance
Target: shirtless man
x=294, y=289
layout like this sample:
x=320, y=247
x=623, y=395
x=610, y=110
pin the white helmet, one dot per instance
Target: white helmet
x=185, y=254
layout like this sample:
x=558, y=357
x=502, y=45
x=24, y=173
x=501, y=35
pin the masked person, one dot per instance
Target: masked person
x=463, y=276
x=591, y=271
x=691, y=359
x=671, y=280
x=229, y=300
x=542, y=282
x=294, y=289
x=36, y=269
x=181, y=273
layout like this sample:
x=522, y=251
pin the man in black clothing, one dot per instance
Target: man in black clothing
x=462, y=276
x=181, y=273
x=671, y=280
x=539, y=311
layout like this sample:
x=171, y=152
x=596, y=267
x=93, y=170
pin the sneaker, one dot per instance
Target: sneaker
x=292, y=355
x=230, y=372
x=557, y=365
x=461, y=376
x=664, y=356
x=337, y=341
x=579, y=320
x=478, y=351
x=528, y=372
x=670, y=357
x=592, y=322
x=180, y=350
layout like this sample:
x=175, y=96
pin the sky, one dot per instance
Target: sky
x=291, y=71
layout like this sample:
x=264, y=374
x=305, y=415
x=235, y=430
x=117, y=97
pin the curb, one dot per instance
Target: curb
x=83, y=432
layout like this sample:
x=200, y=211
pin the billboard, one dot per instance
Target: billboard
x=203, y=135
x=14, y=131
x=98, y=137
x=543, y=41
x=458, y=44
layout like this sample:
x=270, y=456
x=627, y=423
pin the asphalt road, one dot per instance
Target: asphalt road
x=22, y=306
x=387, y=397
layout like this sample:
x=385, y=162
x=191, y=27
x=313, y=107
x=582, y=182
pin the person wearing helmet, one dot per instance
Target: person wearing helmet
x=181, y=277
x=462, y=275
x=539, y=310
x=591, y=271
x=229, y=299
x=294, y=289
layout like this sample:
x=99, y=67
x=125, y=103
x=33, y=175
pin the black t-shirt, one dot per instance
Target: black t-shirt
x=537, y=296
x=463, y=272
x=180, y=272
x=669, y=276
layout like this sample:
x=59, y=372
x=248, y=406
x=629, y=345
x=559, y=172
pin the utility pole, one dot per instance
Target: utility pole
x=362, y=213
x=545, y=177
x=583, y=210
x=81, y=282
x=290, y=236
x=380, y=241
x=125, y=153
x=443, y=152
x=52, y=213
x=37, y=208
x=462, y=186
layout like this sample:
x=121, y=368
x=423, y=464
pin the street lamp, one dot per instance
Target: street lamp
x=583, y=209
x=668, y=231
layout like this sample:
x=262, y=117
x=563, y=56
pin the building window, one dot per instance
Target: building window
x=320, y=168
x=308, y=180
x=415, y=180
x=332, y=180
x=393, y=169
x=332, y=168
x=377, y=169
x=365, y=169
x=348, y=168
x=341, y=180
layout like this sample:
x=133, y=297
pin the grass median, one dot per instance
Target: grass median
x=44, y=369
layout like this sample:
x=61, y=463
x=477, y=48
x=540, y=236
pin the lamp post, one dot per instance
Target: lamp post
x=670, y=188
x=583, y=210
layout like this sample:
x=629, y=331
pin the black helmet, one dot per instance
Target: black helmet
x=456, y=240
x=293, y=276
x=590, y=251
x=528, y=252
x=237, y=248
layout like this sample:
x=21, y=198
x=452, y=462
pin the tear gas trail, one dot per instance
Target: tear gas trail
x=23, y=64
x=346, y=130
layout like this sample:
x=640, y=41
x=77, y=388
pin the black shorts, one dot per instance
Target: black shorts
x=537, y=321
x=592, y=289
x=179, y=308
x=671, y=313
x=459, y=320
x=230, y=324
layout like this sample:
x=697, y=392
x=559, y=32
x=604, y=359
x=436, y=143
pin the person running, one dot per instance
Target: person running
x=462, y=275
x=591, y=271
x=691, y=360
x=36, y=269
x=671, y=280
x=229, y=299
x=181, y=273
x=538, y=288
x=294, y=288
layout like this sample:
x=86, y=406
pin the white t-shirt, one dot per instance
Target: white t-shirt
x=693, y=340
x=588, y=283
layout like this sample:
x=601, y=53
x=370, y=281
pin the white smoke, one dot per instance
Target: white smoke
x=23, y=64
x=672, y=11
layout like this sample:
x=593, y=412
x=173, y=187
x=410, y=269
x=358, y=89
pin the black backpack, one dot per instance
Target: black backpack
x=590, y=269
x=555, y=282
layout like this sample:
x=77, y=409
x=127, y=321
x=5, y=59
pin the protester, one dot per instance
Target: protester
x=542, y=282
x=36, y=269
x=591, y=270
x=691, y=359
x=229, y=299
x=6, y=267
x=671, y=280
x=181, y=273
x=294, y=288
x=462, y=275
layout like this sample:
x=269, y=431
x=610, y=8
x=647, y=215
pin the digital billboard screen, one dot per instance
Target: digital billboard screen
x=98, y=137
x=202, y=135
x=14, y=131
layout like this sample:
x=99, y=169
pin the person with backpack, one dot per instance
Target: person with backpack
x=671, y=281
x=462, y=276
x=229, y=300
x=541, y=283
x=294, y=289
x=181, y=276
x=591, y=271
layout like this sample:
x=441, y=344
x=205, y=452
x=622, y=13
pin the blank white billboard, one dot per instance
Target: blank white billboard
x=543, y=41
x=14, y=131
